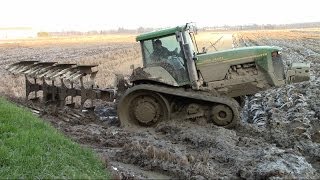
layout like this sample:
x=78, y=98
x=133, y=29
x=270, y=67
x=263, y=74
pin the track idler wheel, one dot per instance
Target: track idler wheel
x=222, y=115
x=143, y=108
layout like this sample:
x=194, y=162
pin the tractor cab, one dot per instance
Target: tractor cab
x=168, y=56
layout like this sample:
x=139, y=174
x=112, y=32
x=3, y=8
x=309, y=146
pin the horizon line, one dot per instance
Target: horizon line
x=121, y=27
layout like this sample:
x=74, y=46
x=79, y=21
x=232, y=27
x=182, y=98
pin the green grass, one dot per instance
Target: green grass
x=30, y=148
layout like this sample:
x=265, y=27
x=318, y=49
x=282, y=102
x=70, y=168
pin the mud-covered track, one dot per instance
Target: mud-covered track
x=219, y=104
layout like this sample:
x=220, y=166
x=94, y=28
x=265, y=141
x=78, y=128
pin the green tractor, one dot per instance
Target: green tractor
x=176, y=80
x=189, y=84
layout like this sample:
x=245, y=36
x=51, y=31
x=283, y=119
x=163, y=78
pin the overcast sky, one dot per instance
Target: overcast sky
x=56, y=15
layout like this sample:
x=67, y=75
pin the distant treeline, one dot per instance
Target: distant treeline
x=102, y=32
x=265, y=26
x=224, y=28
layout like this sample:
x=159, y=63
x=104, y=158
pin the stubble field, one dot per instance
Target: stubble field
x=279, y=135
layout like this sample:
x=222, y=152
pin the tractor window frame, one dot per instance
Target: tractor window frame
x=148, y=46
x=177, y=59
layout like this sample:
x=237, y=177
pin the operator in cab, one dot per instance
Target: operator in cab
x=161, y=52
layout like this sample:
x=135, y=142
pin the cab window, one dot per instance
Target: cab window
x=165, y=52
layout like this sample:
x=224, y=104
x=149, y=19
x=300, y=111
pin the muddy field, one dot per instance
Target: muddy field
x=279, y=135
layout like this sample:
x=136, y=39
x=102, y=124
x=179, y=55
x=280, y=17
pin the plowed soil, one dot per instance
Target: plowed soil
x=279, y=136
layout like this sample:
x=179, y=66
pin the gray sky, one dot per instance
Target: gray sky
x=56, y=15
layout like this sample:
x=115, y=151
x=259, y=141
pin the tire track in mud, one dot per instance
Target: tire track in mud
x=188, y=150
x=179, y=149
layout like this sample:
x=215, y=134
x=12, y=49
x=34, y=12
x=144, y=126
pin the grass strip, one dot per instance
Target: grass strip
x=31, y=148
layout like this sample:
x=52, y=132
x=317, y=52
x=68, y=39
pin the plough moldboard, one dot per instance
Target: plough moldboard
x=58, y=81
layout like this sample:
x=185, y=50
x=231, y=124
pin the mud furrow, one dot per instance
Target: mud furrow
x=278, y=138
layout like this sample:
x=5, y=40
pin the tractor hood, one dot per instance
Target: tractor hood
x=235, y=54
x=216, y=66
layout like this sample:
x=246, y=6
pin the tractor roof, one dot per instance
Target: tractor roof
x=159, y=33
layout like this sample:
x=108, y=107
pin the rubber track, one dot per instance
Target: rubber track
x=190, y=94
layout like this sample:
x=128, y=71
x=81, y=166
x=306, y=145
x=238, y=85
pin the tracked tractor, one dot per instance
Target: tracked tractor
x=183, y=83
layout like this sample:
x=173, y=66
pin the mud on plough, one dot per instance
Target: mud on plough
x=60, y=81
